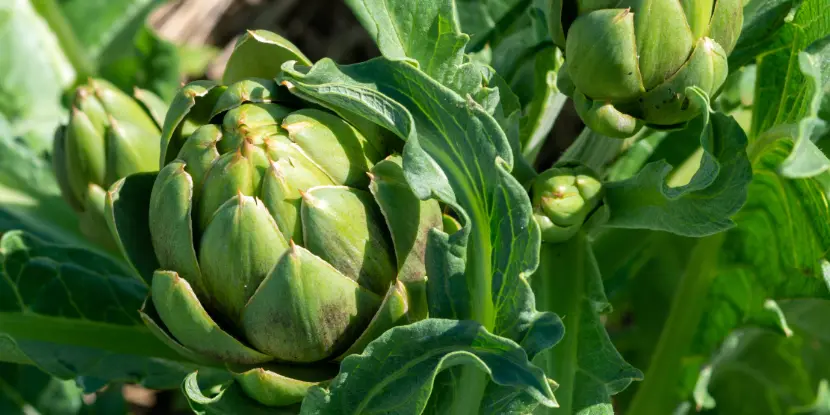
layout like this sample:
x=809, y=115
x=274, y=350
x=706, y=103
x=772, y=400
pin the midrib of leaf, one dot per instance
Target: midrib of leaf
x=132, y=340
x=378, y=388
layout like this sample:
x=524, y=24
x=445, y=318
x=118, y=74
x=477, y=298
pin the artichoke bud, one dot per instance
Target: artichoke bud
x=563, y=197
x=109, y=135
x=344, y=226
x=638, y=57
x=273, y=243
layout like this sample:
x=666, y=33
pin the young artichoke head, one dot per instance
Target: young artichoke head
x=629, y=62
x=562, y=198
x=109, y=135
x=284, y=235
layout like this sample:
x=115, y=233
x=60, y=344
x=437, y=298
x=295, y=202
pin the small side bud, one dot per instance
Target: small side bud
x=563, y=198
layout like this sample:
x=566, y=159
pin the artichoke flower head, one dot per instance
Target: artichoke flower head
x=109, y=135
x=629, y=62
x=286, y=238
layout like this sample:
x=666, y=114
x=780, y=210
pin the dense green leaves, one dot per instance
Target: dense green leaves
x=43, y=286
x=704, y=205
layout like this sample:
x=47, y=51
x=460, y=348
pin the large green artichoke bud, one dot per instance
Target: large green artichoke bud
x=563, y=198
x=109, y=135
x=629, y=62
x=284, y=235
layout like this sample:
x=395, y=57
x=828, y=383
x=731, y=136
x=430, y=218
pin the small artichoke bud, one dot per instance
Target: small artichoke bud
x=109, y=135
x=632, y=60
x=562, y=198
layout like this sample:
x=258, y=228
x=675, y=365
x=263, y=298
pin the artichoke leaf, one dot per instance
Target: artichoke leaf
x=306, y=310
x=260, y=54
x=190, y=324
x=240, y=246
x=247, y=90
x=171, y=224
x=667, y=104
x=195, y=100
x=345, y=227
x=607, y=37
x=271, y=388
x=336, y=146
x=399, y=205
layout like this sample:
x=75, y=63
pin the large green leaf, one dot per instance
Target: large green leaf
x=782, y=94
x=395, y=373
x=427, y=35
x=33, y=73
x=782, y=372
x=807, y=159
x=74, y=313
x=488, y=21
x=457, y=152
x=704, y=205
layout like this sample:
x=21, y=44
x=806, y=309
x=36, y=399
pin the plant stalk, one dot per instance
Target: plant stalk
x=472, y=380
x=72, y=47
x=657, y=393
x=559, y=286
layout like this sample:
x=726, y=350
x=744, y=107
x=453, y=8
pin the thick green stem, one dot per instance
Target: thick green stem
x=72, y=48
x=656, y=394
x=593, y=150
x=472, y=380
x=559, y=286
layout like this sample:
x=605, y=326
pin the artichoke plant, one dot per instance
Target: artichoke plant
x=285, y=238
x=628, y=62
x=563, y=198
x=109, y=135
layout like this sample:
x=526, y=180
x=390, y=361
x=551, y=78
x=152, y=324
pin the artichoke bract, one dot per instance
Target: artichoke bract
x=109, y=135
x=286, y=238
x=563, y=198
x=628, y=62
